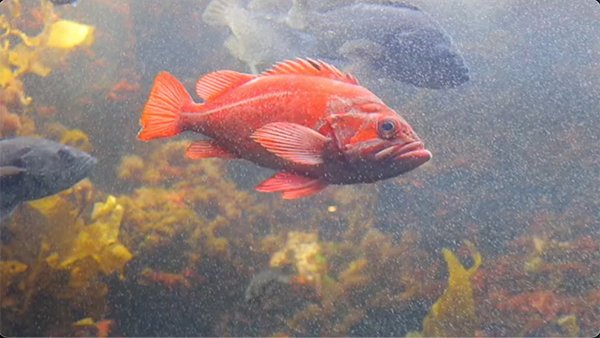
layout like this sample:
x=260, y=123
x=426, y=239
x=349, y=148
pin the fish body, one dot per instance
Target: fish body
x=305, y=118
x=32, y=168
x=65, y=2
x=266, y=284
x=396, y=41
x=256, y=38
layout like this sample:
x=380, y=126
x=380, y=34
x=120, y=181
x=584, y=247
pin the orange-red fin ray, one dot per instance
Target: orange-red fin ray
x=310, y=67
x=161, y=115
x=292, y=186
x=207, y=149
x=214, y=84
x=293, y=142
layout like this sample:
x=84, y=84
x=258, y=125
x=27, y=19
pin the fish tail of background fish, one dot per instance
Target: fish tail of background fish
x=216, y=12
x=162, y=114
x=297, y=14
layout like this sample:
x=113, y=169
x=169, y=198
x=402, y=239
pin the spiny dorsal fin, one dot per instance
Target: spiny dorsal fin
x=310, y=67
x=216, y=83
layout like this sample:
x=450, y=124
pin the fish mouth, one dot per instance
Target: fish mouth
x=412, y=150
x=85, y=166
x=407, y=152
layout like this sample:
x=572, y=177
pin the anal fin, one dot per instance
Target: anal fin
x=207, y=149
x=292, y=186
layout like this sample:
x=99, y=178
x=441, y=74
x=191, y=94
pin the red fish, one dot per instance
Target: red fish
x=305, y=118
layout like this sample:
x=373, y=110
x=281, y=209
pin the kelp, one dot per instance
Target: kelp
x=453, y=314
x=40, y=53
x=67, y=256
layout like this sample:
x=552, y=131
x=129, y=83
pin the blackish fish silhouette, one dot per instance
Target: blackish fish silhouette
x=386, y=40
x=395, y=41
x=65, y=2
x=265, y=284
x=32, y=168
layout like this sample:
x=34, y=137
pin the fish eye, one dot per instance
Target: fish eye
x=387, y=129
x=64, y=154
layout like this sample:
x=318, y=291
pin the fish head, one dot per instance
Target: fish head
x=53, y=167
x=75, y=165
x=376, y=142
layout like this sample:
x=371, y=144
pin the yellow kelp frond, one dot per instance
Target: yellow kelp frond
x=453, y=314
x=99, y=240
x=38, y=54
x=131, y=168
x=87, y=321
x=6, y=76
x=66, y=34
x=9, y=269
x=76, y=138
x=27, y=60
x=53, y=206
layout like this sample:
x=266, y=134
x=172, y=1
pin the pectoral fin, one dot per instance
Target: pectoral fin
x=292, y=186
x=8, y=171
x=292, y=142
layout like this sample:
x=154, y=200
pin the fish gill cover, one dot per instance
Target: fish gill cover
x=156, y=244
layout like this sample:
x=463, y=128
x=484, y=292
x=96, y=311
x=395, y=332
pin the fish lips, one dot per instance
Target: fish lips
x=85, y=164
x=410, y=154
x=88, y=164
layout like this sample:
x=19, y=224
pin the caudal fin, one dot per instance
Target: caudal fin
x=161, y=115
x=218, y=12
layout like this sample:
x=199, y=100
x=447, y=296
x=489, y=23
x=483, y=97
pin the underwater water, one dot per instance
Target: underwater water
x=497, y=235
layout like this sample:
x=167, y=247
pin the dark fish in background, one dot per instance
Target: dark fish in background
x=32, y=168
x=266, y=284
x=65, y=2
x=383, y=40
x=394, y=40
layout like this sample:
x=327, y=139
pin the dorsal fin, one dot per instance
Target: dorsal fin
x=310, y=67
x=216, y=83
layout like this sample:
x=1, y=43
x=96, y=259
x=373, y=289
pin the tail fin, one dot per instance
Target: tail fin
x=161, y=114
x=217, y=11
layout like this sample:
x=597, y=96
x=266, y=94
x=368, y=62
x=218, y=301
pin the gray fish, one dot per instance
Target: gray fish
x=65, y=2
x=265, y=284
x=257, y=38
x=395, y=41
x=32, y=168
x=381, y=39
